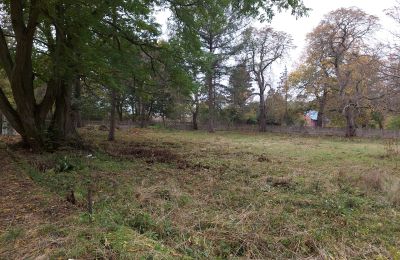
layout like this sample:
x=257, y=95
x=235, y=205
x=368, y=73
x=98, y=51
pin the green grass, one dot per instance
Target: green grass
x=12, y=234
x=228, y=195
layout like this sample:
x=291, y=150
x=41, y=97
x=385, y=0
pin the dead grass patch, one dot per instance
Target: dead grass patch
x=42, y=164
x=284, y=182
x=394, y=192
x=24, y=209
x=392, y=148
x=204, y=196
x=373, y=181
x=263, y=158
x=141, y=151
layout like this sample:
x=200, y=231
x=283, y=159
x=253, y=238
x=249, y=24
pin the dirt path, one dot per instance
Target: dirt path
x=25, y=209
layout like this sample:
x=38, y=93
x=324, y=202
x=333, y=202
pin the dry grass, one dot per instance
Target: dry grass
x=394, y=192
x=169, y=194
x=374, y=180
x=392, y=148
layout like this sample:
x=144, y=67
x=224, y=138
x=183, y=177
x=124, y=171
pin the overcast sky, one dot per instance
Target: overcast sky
x=301, y=27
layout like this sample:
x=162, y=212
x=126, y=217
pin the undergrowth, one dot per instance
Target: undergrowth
x=167, y=194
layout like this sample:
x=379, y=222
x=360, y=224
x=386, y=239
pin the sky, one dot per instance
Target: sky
x=299, y=28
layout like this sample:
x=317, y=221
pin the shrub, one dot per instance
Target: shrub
x=251, y=121
x=394, y=123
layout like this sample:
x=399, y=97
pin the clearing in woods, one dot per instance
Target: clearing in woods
x=176, y=194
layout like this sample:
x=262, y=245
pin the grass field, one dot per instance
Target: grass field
x=173, y=194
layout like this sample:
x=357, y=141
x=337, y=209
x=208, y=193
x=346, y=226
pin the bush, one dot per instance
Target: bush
x=251, y=121
x=394, y=123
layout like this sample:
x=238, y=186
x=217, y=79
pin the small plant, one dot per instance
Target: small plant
x=12, y=234
x=184, y=200
x=64, y=165
x=142, y=222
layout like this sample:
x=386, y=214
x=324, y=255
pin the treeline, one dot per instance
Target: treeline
x=61, y=58
x=64, y=61
x=344, y=74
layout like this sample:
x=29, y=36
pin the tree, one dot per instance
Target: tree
x=39, y=29
x=55, y=45
x=28, y=116
x=284, y=89
x=391, y=64
x=341, y=38
x=216, y=24
x=313, y=78
x=49, y=45
x=239, y=90
x=263, y=48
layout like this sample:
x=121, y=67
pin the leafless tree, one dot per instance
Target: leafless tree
x=263, y=48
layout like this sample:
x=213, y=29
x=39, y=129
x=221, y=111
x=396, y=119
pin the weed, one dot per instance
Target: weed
x=12, y=234
x=64, y=165
x=51, y=230
x=142, y=222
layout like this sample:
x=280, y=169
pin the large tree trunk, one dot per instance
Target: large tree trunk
x=77, y=103
x=27, y=116
x=380, y=123
x=263, y=113
x=142, y=113
x=350, y=121
x=142, y=117
x=320, y=119
x=120, y=109
x=111, y=133
x=195, y=124
x=62, y=125
x=22, y=88
x=150, y=112
x=194, y=119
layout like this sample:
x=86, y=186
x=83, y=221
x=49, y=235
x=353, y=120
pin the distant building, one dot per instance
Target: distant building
x=311, y=118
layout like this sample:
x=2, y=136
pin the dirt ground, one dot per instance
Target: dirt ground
x=25, y=210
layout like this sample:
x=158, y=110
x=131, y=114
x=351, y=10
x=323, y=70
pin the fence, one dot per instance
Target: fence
x=310, y=131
